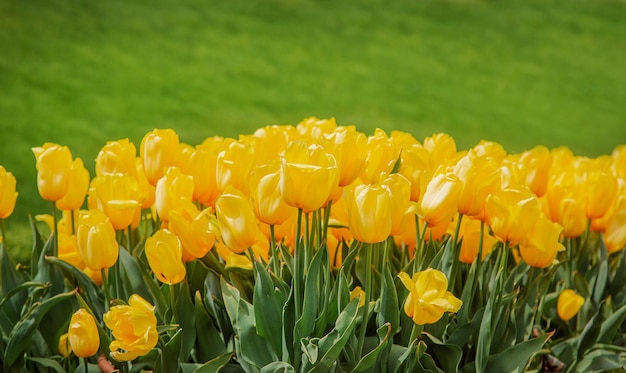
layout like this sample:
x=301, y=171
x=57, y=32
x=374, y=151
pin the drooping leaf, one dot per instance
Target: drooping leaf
x=368, y=361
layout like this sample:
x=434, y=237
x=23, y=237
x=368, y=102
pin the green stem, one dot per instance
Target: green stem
x=455, y=260
x=326, y=219
x=415, y=331
x=368, y=295
x=4, y=232
x=73, y=219
x=55, y=248
x=105, y=286
x=570, y=262
x=85, y=364
x=419, y=247
x=274, y=259
x=479, y=263
x=297, y=281
x=129, y=235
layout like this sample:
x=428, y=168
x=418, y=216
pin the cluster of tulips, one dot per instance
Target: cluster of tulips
x=317, y=248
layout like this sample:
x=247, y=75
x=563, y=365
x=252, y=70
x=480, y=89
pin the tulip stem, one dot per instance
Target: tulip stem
x=479, y=263
x=415, y=331
x=368, y=295
x=4, y=233
x=55, y=248
x=298, y=268
x=105, y=286
x=455, y=250
x=85, y=364
x=274, y=259
x=419, y=246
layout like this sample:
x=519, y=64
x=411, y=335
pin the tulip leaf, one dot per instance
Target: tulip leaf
x=131, y=274
x=516, y=357
x=389, y=311
x=330, y=346
x=158, y=299
x=485, y=335
x=463, y=333
x=602, y=361
x=590, y=334
x=268, y=303
x=215, y=305
x=185, y=317
x=171, y=353
x=47, y=362
x=211, y=366
x=368, y=361
x=19, y=339
x=209, y=343
x=601, y=279
x=10, y=279
x=278, y=367
x=38, y=245
x=304, y=325
x=448, y=355
x=612, y=325
x=398, y=355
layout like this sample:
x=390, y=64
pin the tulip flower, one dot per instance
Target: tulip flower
x=568, y=304
x=171, y=188
x=400, y=191
x=382, y=154
x=470, y=235
x=8, y=195
x=147, y=191
x=54, y=164
x=415, y=168
x=267, y=200
x=193, y=228
x=478, y=177
x=600, y=192
x=234, y=164
x=276, y=138
x=511, y=213
x=534, y=165
x=78, y=186
x=490, y=149
x=96, y=240
x=236, y=220
x=428, y=297
x=202, y=168
x=441, y=148
x=164, y=253
x=133, y=327
x=440, y=199
x=565, y=205
x=369, y=217
x=65, y=349
x=308, y=175
x=540, y=246
x=117, y=157
x=118, y=196
x=349, y=148
x=83, y=334
x=158, y=151
x=314, y=128
x=615, y=233
x=357, y=292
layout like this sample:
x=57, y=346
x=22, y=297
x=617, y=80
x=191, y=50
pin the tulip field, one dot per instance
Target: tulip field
x=315, y=247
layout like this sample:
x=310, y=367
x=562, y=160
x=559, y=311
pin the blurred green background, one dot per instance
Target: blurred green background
x=521, y=73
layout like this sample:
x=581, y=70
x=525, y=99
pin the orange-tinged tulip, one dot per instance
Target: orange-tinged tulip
x=400, y=191
x=65, y=349
x=193, y=228
x=83, y=334
x=478, y=177
x=202, y=167
x=428, y=297
x=134, y=328
x=470, y=235
x=566, y=206
x=236, y=220
x=615, y=233
x=118, y=196
x=68, y=250
x=569, y=304
x=511, y=213
x=540, y=246
x=349, y=147
x=267, y=200
x=117, y=157
x=158, y=151
x=54, y=163
x=78, y=186
x=534, y=165
x=96, y=240
x=170, y=189
x=440, y=199
x=234, y=164
x=369, y=206
x=164, y=253
x=8, y=195
x=308, y=175
x=600, y=192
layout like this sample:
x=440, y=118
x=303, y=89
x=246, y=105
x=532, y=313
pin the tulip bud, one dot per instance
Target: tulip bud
x=83, y=334
x=568, y=304
x=54, y=163
x=237, y=222
x=8, y=195
x=158, y=151
x=170, y=189
x=164, y=253
x=96, y=240
x=78, y=186
x=117, y=157
x=368, y=207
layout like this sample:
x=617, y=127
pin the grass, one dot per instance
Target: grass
x=521, y=73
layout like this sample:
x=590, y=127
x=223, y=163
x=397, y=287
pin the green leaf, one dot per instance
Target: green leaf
x=132, y=275
x=398, y=355
x=371, y=357
x=601, y=361
x=516, y=357
x=209, y=343
x=170, y=355
x=600, y=283
x=268, y=304
x=448, y=355
x=397, y=164
x=47, y=362
x=589, y=335
x=158, y=299
x=215, y=364
x=278, y=367
x=95, y=298
x=185, y=316
x=38, y=245
x=612, y=325
x=19, y=288
x=485, y=335
x=304, y=325
x=19, y=339
x=389, y=310
x=10, y=280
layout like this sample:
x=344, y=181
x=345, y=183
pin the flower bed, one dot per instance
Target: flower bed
x=314, y=248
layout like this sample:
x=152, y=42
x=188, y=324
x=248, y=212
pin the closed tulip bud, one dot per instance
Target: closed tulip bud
x=234, y=164
x=478, y=177
x=276, y=138
x=133, y=327
x=313, y=128
x=164, y=253
x=171, y=188
x=96, y=240
x=78, y=186
x=8, y=195
x=540, y=246
x=193, y=228
x=236, y=220
x=382, y=154
x=600, y=192
x=308, y=176
x=118, y=196
x=369, y=218
x=490, y=149
x=54, y=163
x=202, y=167
x=267, y=200
x=65, y=349
x=565, y=205
x=440, y=199
x=349, y=147
x=117, y=157
x=428, y=297
x=442, y=149
x=147, y=191
x=158, y=151
x=615, y=233
x=511, y=213
x=400, y=192
x=569, y=304
x=414, y=167
x=470, y=234
x=83, y=334
x=534, y=166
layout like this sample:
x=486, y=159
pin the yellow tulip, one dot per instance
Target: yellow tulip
x=65, y=349
x=357, y=292
x=275, y=138
x=164, y=253
x=470, y=235
x=54, y=163
x=414, y=168
x=511, y=213
x=428, y=297
x=8, y=195
x=349, y=147
x=158, y=151
x=234, y=164
x=170, y=190
x=615, y=233
x=118, y=196
x=569, y=304
x=193, y=228
x=83, y=334
x=147, y=191
x=134, y=328
x=96, y=240
x=313, y=128
x=478, y=177
x=440, y=199
x=400, y=191
x=382, y=154
x=600, y=192
x=308, y=176
x=565, y=204
x=267, y=200
x=534, y=165
x=369, y=217
x=540, y=246
x=490, y=149
x=441, y=148
x=78, y=186
x=202, y=167
x=117, y=157
x=237, y=223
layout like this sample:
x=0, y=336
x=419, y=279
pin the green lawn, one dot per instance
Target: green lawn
x=518, y=72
